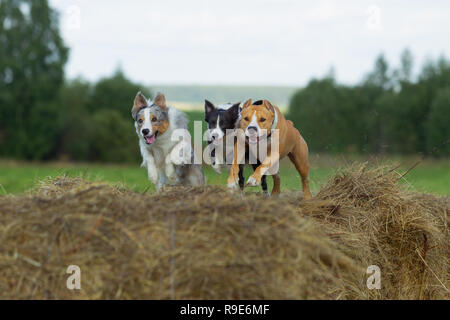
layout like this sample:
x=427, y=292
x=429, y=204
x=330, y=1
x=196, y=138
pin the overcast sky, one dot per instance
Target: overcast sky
x=274, y=42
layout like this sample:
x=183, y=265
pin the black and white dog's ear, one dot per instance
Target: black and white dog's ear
x=139, y=102
x=236, y=107
x=209, y=107
x=234, y=110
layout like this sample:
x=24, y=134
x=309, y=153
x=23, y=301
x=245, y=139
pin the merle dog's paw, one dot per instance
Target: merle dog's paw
x=217, y=168
x=170, y=172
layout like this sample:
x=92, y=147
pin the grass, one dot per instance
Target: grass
x=18, y=177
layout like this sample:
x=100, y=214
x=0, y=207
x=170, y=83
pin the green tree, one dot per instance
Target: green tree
x=434, y=77
x=404, y=126
x=377, y=113
x=380, y=76
x=404, y=73
x=116, y=93
x=114, y=138
x=75, y=121
x=96, y=123
x=32, y=58
x=437, y=125
x=326, y=115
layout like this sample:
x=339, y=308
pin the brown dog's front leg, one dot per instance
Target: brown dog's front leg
x=255, y=178
x=233, y=177
x=299, y=157
x=276, y=184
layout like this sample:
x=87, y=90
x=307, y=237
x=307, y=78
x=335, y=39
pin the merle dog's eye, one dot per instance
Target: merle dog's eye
x=141, y=121
x=154, y=119
x=262, y=120
x=246, y=119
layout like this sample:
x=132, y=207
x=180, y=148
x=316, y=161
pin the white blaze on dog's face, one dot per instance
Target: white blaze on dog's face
x=257, y=119
x=220, y=120
x=151, y=120
x=217, y=132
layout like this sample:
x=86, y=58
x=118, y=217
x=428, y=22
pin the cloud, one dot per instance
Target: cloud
x=244, y=42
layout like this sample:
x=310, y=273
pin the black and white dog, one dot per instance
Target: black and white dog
x=223, y=121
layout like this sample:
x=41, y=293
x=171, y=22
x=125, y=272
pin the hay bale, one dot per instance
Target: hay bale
x=205, y=243
x=404, y=233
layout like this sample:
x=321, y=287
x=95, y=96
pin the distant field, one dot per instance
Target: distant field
x=15, y=177
x=200, y=106
x=196, y=94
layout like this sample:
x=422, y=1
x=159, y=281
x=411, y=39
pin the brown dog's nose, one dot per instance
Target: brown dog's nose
x=252, y=130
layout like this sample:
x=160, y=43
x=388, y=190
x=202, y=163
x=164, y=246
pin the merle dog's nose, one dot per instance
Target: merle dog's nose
x=252, y=129
x=145, y=132
x=214, y=136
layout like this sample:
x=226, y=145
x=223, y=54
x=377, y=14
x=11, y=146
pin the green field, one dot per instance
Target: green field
x=18, y=177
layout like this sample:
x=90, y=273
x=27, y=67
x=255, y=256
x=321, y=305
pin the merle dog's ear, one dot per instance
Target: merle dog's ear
x=160, y=101
x=139, y=102
x=209, y=107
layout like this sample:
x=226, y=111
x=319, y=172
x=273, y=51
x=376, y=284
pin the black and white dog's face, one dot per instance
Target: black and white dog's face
x=220, y=119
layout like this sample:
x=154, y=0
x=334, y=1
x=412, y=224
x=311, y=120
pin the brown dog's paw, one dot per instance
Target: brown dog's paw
x=253, y=182
x=233, y=186
x=307, y=196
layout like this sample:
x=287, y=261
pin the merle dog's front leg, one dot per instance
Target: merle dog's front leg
x=151, y=170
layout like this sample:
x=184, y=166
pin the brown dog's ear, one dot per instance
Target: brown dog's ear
x=160, y=100
x=268, y=106
x=139, y=102
x=247, y=103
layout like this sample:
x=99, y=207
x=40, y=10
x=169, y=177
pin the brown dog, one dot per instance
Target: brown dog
x=259, y=121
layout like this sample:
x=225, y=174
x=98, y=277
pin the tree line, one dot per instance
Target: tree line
x=390, y=111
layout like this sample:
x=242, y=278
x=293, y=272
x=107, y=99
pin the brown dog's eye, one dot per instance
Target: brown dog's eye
x=140, y=121
x=262, y=120
x=154, y=119
x=246, y=119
